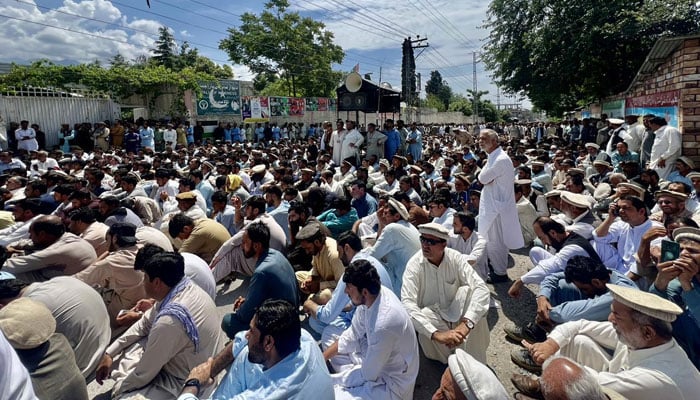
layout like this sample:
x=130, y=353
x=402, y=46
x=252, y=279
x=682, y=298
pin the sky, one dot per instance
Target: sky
x=370, y=32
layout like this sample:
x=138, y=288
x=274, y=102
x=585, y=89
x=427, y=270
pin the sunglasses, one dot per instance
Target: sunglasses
x=430, y=242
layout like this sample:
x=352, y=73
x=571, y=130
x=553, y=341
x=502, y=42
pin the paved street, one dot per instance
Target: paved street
x=520, y=310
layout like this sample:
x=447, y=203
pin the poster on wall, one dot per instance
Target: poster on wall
x=317, y=104
x=221, y=97
x=279, y=106
x=664, y=104
x=297, y=107
x=332, y=104
x=614, y=109
x=255, y=109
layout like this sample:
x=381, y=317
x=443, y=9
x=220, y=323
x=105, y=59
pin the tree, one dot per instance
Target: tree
x=433, y=101
x=460, y=103
x=439, y=88
x=535, y=47
x=165, y=49
x=300, y=51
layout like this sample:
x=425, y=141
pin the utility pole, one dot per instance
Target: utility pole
x=409, y=69
x=476, y=102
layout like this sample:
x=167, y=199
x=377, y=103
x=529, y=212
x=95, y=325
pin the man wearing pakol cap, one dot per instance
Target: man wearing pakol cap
x=381, y=342
x=447, y=301
x=679, y=281
x=80, y=314
x=113, y=276
x=56, y=252
x=617, y=134
x=646, y=362
x=31, y=330
x=541, y=176
x=602, y=173
x=180, y=331
x=671, y=204
x=577, y=210
x=666, y=148
x=567, y=245
x=465, y=378
x=397, y=241
x=626, y=232
x=593, y=153
x=684, y=166
x=498, y=215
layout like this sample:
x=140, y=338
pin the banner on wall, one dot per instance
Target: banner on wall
x=664, y=104
x=255, y=109
x=279, y=106
x=219, y=98
x=297, y=106
x=614, y=109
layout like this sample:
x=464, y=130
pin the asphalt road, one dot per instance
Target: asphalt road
x=518, y=311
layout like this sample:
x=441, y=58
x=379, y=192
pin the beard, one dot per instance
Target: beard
x=633, y=340
x=256, y=355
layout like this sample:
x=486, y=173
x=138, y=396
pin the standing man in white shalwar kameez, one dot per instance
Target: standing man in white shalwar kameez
x=498, y=215
x=446, y=298
x=381, y=341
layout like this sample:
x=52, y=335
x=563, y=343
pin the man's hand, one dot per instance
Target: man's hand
x=103, y=368
x=164, y=196
x=653, y=233
x=661, y=163
x=668, y=271
x=144, y=305
x=451, y=338
x=688, y=269
x=202, y=373
x=128, y=318
x=543, y=307
x=238, y=303
x=310, y=307
x=516, y=288
x=310, y=285
x=541, y=351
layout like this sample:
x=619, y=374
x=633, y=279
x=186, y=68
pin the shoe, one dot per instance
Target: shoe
x=496, y=278
x=531, y=332
x=527, y=385
x=522, y=359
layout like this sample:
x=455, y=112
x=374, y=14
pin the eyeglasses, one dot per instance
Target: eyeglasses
x=665, y=202
x=430, y=242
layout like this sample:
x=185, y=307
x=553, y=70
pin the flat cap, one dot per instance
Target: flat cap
x=400, y=208
x=434, y=229
x=645, y=303
x=26, y=323
x=186, y=196
x=308, y=231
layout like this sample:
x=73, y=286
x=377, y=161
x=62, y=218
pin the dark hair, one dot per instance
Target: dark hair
x=547, y=224
x=37, y=185
x=362, y=275
x=351, y=239
x=687, y=189
x=651, y=173
x=219, y=197
x=130, y=179
x=576, y=179
x=258, y=203
x=274, y=190
x=299, y=208
x=64, y=189
x=438, y=199
x=168, y=266
x=124, y=232
x=360, y=184
x=466, y=219
x=660, y=121
x=178, y=223
x=402, y=196
x=677, y=219
x=196, y=174
x=111, y=201
x=146, y=253
x=341, y=203
x=84, y=214
x=162, y=173
x=11, y=288
x=584, y=269
x=79, y=195
x=517, y=188
x=279, y=319
x=189, y=183
x=259, y=233
x=50, y=225
x=405, y=179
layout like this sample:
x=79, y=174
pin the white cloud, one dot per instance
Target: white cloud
x=184, y=33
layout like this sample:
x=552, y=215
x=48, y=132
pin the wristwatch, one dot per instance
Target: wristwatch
x=193, y=383
x=469, y=323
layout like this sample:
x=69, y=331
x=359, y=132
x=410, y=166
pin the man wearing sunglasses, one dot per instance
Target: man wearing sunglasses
x=446, y=298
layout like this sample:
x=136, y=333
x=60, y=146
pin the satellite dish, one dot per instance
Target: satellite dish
x=353, y=82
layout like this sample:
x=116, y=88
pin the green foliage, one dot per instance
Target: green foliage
x=298, y=51
x=562, y=53
x=433, y=101
x=460, y=103
x=119, y=80
x=439, y=88
x=164, y=52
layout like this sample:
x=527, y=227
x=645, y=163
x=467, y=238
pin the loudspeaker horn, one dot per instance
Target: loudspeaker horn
x=353, y=82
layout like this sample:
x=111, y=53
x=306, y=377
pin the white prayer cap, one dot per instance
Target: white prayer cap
x=594, y=145
x=645, y=303
x=616, y=121
x=475, y=379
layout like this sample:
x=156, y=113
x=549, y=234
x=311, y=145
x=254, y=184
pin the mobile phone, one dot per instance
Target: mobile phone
x=670, y=250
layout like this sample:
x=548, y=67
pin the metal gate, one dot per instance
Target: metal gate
x=49, y=108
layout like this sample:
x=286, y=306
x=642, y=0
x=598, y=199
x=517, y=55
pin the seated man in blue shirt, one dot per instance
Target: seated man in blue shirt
x=276, y=359
x=577, y=293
